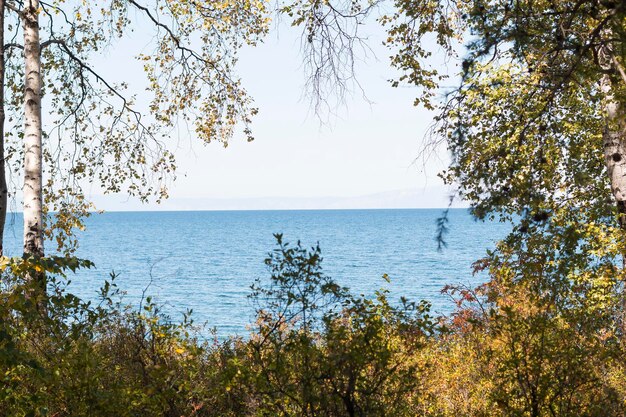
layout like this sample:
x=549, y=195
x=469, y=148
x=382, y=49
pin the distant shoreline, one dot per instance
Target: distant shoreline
x=269, y=210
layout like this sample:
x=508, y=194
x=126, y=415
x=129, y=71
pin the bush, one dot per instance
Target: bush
x=317, y=350
x=314, y=350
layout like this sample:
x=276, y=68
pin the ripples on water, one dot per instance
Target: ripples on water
x=208, y=260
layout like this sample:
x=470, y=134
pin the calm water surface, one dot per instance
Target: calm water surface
x=208, y=260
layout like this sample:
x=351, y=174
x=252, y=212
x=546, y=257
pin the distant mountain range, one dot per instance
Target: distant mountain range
x=414, y=198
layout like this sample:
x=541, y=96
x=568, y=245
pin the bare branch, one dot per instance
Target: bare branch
x=63, y=45
x=13, y=8
x=13, y=45
x=49, y=42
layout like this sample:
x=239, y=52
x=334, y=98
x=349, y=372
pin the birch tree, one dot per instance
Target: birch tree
x=33, y=156
x=536, y=134
x=95, y=130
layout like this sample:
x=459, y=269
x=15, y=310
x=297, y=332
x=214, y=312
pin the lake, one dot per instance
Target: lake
x=207, y=260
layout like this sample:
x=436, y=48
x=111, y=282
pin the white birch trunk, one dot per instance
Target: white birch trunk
x=614, y=142
x=33, y=212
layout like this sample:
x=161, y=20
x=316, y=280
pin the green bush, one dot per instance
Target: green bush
x=314, y=350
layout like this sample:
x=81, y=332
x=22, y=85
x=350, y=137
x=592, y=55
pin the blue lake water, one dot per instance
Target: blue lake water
x=207, y=260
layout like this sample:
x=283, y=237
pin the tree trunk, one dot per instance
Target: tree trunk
x=33, y=213
x=3, y=179
x=614, y=141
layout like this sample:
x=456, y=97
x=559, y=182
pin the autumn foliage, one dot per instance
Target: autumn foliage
x=515, y=346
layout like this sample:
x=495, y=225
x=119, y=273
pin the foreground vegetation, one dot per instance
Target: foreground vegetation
x=509, y=349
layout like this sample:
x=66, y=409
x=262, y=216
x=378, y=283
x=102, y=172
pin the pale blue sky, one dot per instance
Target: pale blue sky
x=365, y=148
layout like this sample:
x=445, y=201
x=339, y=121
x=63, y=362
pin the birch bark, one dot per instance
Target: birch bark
x=614, y=143
x=33, y=212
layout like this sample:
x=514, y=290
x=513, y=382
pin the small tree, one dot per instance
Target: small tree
x=319, y=351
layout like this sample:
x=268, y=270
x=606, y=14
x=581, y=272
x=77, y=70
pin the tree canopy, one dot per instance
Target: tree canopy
x=96, y=131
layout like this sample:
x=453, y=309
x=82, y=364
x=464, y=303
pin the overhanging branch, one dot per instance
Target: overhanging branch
x=13, y=8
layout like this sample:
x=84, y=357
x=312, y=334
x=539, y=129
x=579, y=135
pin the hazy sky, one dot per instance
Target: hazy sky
x=365, y=148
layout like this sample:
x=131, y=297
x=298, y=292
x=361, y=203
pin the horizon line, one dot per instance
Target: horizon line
x=103, y=211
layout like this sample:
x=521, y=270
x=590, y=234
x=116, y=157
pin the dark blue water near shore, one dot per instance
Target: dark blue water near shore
x=208, y=260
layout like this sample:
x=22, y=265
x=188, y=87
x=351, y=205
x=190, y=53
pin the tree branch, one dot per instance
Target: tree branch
x=13, y=45
x=13, y=8
x=173, y=37
x=63, y=45
x=51, y=42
